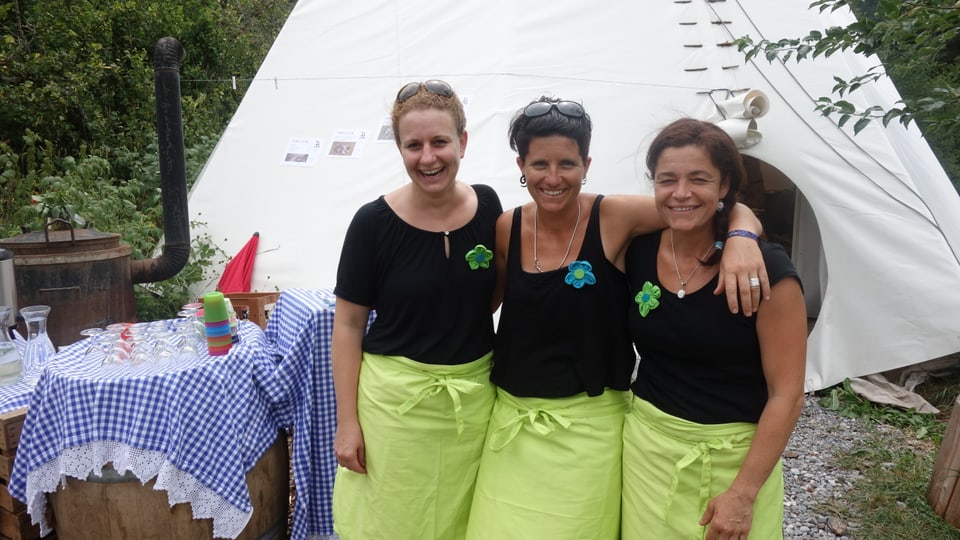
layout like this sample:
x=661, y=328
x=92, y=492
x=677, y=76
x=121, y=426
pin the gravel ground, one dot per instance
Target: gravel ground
x=811, y=476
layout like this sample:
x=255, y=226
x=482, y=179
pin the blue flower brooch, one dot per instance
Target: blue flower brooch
x=580, y=273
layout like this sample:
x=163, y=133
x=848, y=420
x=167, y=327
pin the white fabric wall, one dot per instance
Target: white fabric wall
x=888, y=217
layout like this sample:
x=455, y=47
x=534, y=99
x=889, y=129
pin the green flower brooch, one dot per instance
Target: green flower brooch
x=479, y=257
x=648, y=298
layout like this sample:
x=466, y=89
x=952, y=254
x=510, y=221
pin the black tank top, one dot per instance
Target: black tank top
x=556, y=340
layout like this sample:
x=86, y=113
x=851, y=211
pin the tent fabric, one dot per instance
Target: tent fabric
x=877, y=242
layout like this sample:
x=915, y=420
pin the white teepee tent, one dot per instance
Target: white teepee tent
x=872, y=220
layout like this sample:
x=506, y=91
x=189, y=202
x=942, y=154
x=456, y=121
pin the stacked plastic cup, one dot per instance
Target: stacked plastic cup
x=216, y=321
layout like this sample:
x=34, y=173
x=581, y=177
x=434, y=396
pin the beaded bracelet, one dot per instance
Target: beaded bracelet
x=741, y=232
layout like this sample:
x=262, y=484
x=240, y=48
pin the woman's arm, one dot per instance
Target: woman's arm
x=624, y=217
x=782, y=330
x=500, y=257
x=349, y=326
x=741, y=261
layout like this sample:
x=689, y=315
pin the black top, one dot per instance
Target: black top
x=555, y=340
x=698, y=361
x=429, y=307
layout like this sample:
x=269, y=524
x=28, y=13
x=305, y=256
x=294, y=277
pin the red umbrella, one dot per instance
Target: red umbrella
x=238, y=271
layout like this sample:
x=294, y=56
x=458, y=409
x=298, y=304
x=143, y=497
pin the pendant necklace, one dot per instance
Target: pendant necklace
x=536, y=214
x=683, y=282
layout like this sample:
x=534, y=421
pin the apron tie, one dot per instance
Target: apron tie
x=453, y=385
x=541, y=420
x=699, y=452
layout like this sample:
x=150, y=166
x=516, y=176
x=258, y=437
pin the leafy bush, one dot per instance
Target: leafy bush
x=77, y=116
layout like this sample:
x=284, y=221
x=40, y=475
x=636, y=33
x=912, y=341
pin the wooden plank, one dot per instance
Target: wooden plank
x=17, y=526
x=6, y=467
x=256, y=305
x=7, y=502
x=942, y=491
x=11, y=424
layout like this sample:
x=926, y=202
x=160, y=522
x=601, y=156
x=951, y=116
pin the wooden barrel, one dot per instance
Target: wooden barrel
x=119, y=507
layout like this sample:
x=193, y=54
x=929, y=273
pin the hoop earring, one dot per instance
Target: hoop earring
x=720, y=206
x=523, y=180
x=584, y=181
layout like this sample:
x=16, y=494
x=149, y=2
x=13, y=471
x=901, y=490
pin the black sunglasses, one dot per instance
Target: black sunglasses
x=434, y=86
x=566, y=108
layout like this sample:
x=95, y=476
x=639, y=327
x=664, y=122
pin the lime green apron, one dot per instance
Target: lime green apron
x=551, y=469
x=423, y=428
x=673, y=467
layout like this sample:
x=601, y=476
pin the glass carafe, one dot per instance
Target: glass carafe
x=10, y=366
x=39, y=349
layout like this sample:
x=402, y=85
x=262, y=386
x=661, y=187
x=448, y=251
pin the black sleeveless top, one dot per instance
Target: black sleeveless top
x=557, y=340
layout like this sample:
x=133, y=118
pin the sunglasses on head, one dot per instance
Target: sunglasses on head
x=434, y=86
x=566, y=108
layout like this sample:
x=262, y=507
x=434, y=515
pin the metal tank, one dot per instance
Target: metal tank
x=8, y=290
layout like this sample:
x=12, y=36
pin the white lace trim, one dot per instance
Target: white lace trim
x=90, y=458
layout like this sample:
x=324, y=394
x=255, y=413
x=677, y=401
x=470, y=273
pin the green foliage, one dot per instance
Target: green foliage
x=80, y=73
x=162, y=300
x=919, y=43
x=78, y=138
x=843, y=400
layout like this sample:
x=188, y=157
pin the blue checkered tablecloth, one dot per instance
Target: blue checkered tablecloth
x=15, y=396
x=300, y=330
x=210, y=417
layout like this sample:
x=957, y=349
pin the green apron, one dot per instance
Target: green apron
x=423, y=427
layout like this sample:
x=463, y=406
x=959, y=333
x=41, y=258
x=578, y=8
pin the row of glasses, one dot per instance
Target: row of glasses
x=157, y=342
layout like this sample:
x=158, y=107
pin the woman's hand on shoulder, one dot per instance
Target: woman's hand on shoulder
x=742, y=262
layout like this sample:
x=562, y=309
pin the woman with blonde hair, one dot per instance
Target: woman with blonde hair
x=413, y=392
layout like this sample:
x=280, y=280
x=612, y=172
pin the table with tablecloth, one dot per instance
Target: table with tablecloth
x=15, y=396
x=195, y=425
x=300, y=330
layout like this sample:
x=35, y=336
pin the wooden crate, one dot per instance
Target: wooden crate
x=16, y=526
x=11, y=424
x=14, y=520
x=255, y=307
x=943, y=491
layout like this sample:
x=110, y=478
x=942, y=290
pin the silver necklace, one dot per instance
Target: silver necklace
x=536, y=216
x=683, y=282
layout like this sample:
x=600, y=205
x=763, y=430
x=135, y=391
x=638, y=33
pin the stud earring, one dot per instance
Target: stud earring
x=584, y=181
x=523, y=180
x=720, y=206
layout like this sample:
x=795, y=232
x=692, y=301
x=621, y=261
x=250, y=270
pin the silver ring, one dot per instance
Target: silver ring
x=754, y=282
